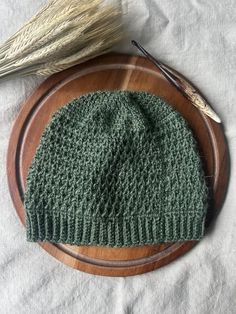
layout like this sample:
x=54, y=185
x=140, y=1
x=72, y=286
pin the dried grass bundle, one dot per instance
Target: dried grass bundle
x=62, y=34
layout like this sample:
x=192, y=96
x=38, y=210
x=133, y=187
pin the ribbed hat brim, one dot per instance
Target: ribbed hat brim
x=116, y=232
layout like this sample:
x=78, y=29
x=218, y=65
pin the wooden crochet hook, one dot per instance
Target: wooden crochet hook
x=182, y=85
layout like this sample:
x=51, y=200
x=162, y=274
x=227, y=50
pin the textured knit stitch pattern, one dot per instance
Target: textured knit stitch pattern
x=116, y=168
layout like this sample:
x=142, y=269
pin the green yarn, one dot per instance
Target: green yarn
x=116, y=169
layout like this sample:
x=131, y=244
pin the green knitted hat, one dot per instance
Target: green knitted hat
x=116, y=169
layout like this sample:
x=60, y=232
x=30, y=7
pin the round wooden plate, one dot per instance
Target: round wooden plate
x=111, y=72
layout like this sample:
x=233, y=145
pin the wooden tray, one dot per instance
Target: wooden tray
x=110, y=72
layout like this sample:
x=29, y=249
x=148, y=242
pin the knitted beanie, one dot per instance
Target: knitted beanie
x=119, y=169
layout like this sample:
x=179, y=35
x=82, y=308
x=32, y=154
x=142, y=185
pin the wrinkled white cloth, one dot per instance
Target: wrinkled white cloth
x=197, y=38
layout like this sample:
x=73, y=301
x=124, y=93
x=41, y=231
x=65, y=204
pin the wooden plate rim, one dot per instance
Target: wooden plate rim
x=84, y=263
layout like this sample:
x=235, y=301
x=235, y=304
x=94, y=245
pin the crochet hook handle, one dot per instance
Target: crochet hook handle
x=187, y=90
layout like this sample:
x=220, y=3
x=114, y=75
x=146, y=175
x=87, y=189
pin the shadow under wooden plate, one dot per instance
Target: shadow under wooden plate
x=112, y=72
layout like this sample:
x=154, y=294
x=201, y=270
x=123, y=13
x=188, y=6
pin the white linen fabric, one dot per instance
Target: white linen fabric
x=197, y=38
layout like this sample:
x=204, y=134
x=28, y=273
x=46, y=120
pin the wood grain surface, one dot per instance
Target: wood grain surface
x=113, y=72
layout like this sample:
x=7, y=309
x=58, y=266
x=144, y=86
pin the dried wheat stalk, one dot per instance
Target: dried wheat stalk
x=62, y=34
